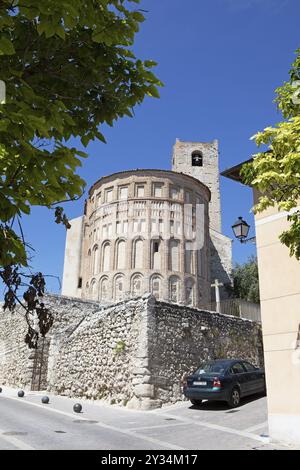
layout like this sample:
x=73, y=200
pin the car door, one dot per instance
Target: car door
x=239, y=376
x=256, y=378
x=251, y=377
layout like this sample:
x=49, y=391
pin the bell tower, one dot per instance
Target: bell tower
x=201, y=160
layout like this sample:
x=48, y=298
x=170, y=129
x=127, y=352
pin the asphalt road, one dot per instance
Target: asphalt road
x=27, y=424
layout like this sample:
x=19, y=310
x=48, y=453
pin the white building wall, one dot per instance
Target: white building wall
x=72, y=262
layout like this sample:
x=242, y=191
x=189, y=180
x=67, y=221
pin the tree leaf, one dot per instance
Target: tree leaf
x=6, y=46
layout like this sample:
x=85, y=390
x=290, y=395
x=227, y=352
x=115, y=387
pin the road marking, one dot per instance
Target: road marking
x=216, y=427
x=157, y=426
x=14, y=441
x=256, y=427
x=103, y=425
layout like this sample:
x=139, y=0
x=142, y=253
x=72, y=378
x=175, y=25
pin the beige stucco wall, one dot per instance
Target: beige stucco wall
x=280, y=307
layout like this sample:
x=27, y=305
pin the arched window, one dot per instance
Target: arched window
x=197, y=158
x=96, y=260
x=189, y=292
x=104, y=293
x=200, y=267
x=174, y=289
x=137, y=285
x=121, y=255
x=94, y=289
x=119, y=288
x=156, y=254
x=174, y=255
x=156, y=286
x=189, y=258
x=138, y=254
x=89, y=261
x=106, y=257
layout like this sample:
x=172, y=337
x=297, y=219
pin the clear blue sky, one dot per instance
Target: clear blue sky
x=220, y=61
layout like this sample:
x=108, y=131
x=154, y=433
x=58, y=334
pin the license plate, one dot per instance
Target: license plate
x=200, y=383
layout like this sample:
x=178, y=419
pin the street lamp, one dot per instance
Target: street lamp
x=241, y=229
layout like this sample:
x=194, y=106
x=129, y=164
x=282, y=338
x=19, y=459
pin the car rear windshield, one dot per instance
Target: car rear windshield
x=215, y=369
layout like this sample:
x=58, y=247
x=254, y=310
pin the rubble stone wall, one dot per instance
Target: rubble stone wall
x=133, y=353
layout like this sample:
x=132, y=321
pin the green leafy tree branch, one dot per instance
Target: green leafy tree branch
x=246, y=281
x=69, y=68
x=275, y=172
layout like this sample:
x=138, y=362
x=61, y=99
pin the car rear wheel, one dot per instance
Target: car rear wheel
x=235, y=398
x=196, y=402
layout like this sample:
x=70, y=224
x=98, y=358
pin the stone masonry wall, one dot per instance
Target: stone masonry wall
x=16, y=360
x=207, y=174
x=98, y=360
x=133, y=353
x=15, y=357
x=191, y=337
x=220, y=262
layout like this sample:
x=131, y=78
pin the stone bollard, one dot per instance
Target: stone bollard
x=21, y=393
x=45, y=400
x=77, y=408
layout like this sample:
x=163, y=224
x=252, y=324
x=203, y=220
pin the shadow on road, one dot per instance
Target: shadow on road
x=222, y=406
